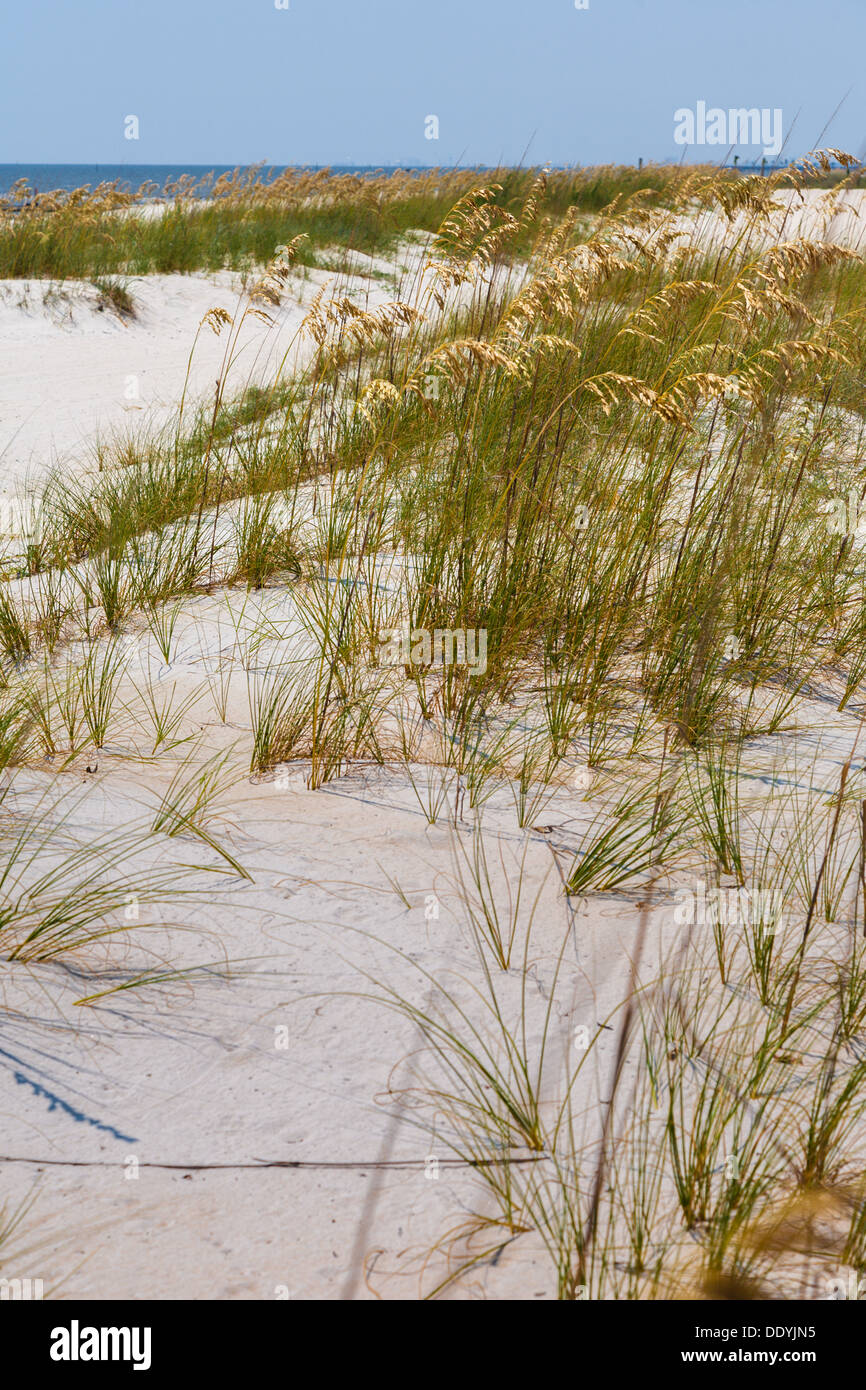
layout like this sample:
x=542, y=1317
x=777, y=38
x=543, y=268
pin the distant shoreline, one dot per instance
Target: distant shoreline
x=47, y=177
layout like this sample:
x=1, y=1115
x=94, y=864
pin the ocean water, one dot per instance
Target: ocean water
x=45, y=177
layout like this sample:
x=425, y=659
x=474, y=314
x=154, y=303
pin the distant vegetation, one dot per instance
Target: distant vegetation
x=240, y=218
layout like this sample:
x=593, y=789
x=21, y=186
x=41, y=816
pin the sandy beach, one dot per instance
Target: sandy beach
x=231, y=1095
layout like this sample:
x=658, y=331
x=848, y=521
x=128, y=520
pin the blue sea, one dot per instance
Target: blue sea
x=45, y=177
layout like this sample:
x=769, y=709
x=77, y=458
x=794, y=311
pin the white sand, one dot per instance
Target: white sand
x=813, y=214
x=187, y=1076
x=190, y=1072
x=74, y=371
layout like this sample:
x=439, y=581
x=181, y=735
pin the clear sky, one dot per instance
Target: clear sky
x=353, y=81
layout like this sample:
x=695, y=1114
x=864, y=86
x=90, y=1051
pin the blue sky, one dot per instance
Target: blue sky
x=353, y=81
